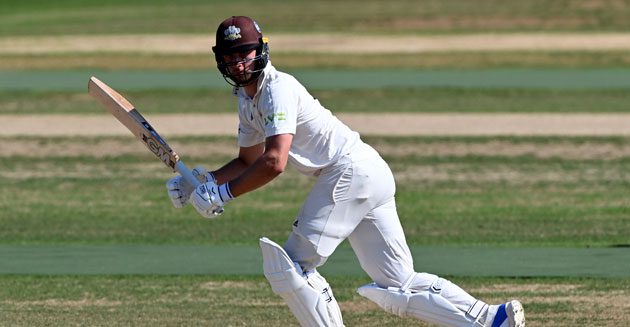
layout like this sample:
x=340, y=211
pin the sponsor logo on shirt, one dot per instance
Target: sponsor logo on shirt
x=279, y=116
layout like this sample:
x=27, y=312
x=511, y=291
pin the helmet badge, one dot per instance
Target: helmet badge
x=232, y=33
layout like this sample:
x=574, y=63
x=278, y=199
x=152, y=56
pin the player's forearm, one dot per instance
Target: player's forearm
x=230, y=171
x=261, y=172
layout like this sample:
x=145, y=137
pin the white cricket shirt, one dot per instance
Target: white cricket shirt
x=283, y=106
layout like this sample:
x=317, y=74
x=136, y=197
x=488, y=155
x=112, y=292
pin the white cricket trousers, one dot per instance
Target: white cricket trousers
x=354, y=199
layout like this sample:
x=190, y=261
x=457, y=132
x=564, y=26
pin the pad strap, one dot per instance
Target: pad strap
x=408, y=282
x=477, y=309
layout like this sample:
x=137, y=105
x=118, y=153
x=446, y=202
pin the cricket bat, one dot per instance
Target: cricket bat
x=129, y=116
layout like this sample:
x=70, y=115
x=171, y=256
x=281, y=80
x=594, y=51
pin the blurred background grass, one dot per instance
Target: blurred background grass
x=568, y=192
x=40, y=17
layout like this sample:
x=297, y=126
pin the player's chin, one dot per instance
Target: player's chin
x=242, y=78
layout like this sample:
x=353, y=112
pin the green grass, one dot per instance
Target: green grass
x=436, y=100
x=400, y=16
x=236, y=300
x=562, y=192
x=559, y=192
x=473, y=100
x=440, y=60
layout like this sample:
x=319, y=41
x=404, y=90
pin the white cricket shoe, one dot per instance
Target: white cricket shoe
x=510, y=314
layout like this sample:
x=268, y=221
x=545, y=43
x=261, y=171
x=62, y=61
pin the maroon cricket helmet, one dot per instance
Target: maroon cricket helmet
x=239, y=34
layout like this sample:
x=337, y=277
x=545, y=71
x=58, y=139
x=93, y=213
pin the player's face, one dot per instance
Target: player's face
x=239, y=65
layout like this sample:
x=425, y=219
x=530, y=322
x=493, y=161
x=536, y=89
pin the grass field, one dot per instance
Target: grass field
x=557, y=196
x=400, y=16
x=560, y=192
x=247, y=301
x=355, y=101
x=456, y=195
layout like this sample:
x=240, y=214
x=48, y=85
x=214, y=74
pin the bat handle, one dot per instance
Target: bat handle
x=181, y=168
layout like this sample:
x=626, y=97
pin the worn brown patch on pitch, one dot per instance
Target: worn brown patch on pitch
x=428, y=173
x=358, y=305
x=216, y=285
x=484, y=23
x=59, y=303
x=195, y=152
x=610, y=307
x=107, y=147
x=554, y=149
x=525, y=288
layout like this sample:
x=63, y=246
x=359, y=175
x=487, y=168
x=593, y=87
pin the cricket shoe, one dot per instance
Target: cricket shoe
x=510, y=314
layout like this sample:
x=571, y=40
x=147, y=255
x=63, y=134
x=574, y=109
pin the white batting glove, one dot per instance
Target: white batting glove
x=202, y=175
x=179, y=189
x=209, y=199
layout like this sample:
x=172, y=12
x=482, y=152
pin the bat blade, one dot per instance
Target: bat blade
x=129, y=116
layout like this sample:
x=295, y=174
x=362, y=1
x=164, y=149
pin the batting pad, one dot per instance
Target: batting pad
x=424, y=296
x=311, y=307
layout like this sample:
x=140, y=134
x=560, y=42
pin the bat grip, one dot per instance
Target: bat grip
x=181, y=168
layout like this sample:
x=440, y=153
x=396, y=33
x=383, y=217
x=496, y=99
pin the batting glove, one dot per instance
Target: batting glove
x=209, y=199
x=202, y=175
x=179, y=189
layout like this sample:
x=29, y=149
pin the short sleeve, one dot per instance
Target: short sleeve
x=280, y=112
x=248, y=136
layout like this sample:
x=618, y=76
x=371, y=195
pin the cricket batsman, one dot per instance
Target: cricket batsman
x=353, y=197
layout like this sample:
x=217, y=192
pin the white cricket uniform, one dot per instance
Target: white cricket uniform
x=354, y=193
x=352, y=198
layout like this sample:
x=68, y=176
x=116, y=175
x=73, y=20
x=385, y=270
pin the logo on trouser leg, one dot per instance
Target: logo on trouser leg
x=437, y=286
x=327, y=296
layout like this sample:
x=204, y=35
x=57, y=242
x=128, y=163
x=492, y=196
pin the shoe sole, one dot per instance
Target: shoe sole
x=516, y=314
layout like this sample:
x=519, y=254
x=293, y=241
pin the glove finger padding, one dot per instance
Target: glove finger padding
x=178, y=191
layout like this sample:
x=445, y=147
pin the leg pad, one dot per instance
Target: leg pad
x=423, y=298
x=308, y=295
